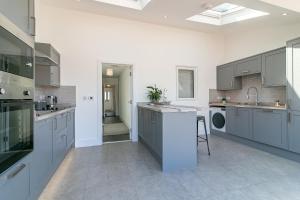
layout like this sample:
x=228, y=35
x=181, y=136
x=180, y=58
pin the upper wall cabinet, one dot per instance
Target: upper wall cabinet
x=248, y=66
x=274, y=68
x=226, y=79
x=21, y=13
x=293, y=74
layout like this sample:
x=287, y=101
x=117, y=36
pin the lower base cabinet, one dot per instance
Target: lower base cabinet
x=239, y=122
x=15, y=182
x=294, y=131
x=41, y=156
x=270, y=127
x=27, y=178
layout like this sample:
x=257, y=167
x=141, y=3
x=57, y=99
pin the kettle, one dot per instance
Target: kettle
x=51, y=102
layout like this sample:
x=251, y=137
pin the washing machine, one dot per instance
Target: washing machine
x=218, y=118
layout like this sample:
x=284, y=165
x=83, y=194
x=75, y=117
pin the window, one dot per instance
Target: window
x=226, y=13
x=186, y=83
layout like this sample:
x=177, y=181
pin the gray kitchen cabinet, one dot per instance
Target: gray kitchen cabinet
x=248, y=66
x=156, y=131
x=59, y=138
x=47, y=76
x=239, y=122
x=293, y=131
x=41, y=164
x=274, y=68
x=15, y=182
x=226, y=79
x=21, y=13
x=140, y=122
x=293, y=74
x=270, y=127
x=70, y=129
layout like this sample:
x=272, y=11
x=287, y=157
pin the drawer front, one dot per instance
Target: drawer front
x=14, y=184
x=249, y=66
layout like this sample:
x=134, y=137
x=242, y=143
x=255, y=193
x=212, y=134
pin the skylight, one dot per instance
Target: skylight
x=226, y=13
x=133, y=4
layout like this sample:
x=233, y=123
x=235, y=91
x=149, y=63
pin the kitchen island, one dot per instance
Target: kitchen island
x=169, y=132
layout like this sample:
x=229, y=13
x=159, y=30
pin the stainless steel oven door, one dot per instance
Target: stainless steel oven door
x=16, y=57
x=16, y=131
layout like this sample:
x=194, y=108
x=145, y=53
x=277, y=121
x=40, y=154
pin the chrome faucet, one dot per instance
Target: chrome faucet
x=256, y=90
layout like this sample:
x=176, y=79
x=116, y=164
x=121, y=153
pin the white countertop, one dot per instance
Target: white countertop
x=241, y=105
x=167, y=108
x=41, y=115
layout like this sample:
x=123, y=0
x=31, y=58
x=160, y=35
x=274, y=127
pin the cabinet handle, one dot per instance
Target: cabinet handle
x=15, y=173
x=289, y=117
x=267, y=110
x=263, y=80
x=246, y=71
x=232, y=83
x=33, y=21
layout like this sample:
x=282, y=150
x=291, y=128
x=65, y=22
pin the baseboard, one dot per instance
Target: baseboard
x=87, y=143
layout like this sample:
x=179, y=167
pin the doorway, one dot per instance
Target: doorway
x=116, y=102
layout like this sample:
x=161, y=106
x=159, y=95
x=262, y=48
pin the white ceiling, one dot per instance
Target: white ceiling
x=174, y=13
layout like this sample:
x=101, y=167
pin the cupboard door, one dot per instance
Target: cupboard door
x=248, y=66
x=70, y=129
x=230, y=119
x=41, y=164
x=226, y=79
x=293, y=131
x=243, y=120
x=270, y=127
x=21, y=13
x=274, y=68
x=293, y=74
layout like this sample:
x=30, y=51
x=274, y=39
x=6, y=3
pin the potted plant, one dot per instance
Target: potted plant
x=154, y=94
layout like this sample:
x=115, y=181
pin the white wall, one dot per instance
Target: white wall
x=125, y=97
x=244, y=44
x=84, y=39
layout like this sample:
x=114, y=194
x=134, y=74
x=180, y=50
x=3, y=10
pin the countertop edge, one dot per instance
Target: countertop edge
x=49, y=115
x=247, y=106
x=167, y=110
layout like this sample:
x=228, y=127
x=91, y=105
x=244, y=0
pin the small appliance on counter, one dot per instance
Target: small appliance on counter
x=40, y=105
x=51, y=102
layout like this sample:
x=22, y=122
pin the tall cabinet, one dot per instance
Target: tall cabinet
x=293, y=93
x=21, y=13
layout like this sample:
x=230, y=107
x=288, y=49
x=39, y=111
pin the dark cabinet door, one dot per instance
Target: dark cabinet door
x=274, y=68
x=270, y=127
x=294, y=131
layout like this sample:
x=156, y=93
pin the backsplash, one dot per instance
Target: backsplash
x=266, y=95
x=65, y=94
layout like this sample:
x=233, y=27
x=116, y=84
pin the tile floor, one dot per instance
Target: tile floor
x=126, y=171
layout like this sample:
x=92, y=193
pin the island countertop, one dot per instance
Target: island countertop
x=167, y=108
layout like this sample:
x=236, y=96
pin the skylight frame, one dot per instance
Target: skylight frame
x=132, y=4
x=236, y=14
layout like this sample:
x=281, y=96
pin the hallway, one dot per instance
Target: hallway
x=114, y=130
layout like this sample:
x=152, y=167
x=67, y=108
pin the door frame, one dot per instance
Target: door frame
x=100, y=110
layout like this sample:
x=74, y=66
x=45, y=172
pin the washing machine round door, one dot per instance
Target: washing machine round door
x=218, y=120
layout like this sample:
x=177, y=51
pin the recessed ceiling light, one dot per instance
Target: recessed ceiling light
x=133, y=4
x=109, y=72
x=284, y=14
x=165, y=16
x=226, y=13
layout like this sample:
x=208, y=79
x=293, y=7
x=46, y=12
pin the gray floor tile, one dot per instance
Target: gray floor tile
x=128, y=171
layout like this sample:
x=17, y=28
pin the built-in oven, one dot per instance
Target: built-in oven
x=16, y=131
x=16, y=94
